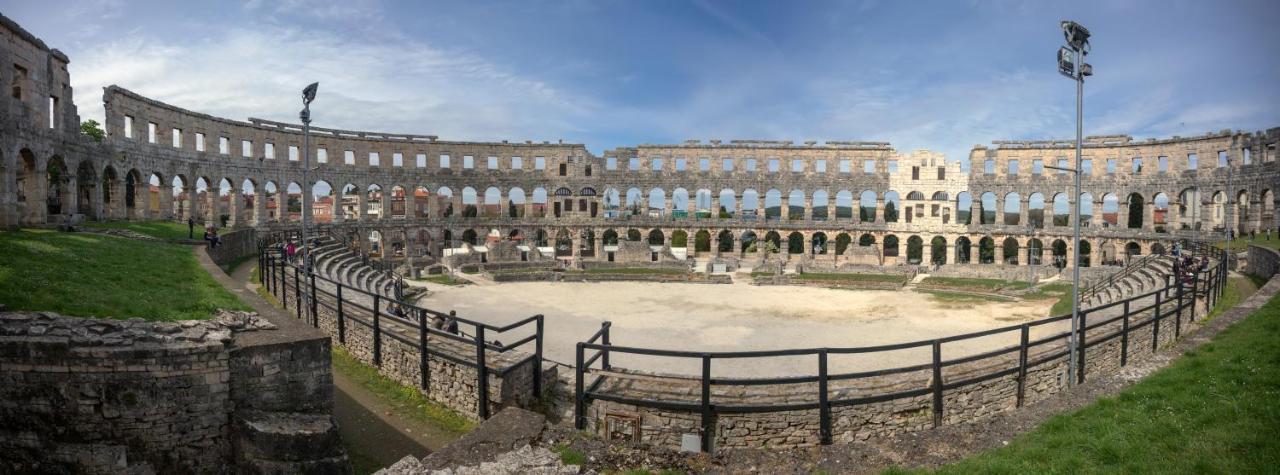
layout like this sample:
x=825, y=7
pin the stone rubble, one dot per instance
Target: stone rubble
x=525, y=460
x=134, y=331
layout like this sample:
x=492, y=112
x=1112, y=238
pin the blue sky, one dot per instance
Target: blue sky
x=936, y=75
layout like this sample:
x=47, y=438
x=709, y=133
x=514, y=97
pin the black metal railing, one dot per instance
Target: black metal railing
x=295, y=287
x=1175, y=299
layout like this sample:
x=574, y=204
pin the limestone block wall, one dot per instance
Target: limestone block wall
x=235, y=244
x=109, y=396
x=1263, y=262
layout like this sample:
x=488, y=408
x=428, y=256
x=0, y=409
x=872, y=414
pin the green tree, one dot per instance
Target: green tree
x=842, y=243
x=890, y=213
x=93, y=129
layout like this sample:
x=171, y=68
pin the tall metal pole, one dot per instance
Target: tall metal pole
x=306, y=165
x=1234, y=213
x=1075, y=220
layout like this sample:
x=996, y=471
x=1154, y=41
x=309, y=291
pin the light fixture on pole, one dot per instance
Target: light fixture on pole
x=308, y=95
x=1071, y=64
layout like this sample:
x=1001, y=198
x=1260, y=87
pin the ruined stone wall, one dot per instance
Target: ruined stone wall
x=234, y=245
x=163, y=397
x=1263, y=262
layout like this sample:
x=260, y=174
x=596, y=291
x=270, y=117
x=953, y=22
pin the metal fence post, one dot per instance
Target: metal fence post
x=604, y=340
x=1155, y=326
x=1177, y=319
x=1124, y=335
x=482, y=374
x=537, y=359
x=824, y=406
x=579, y=401
x=708, y=424
x=1084, y=322
x=315, y=316
x=297, y=293
x=1023, y=341
x=1195, y=284
x=342, y=318
x=377, y=331
x=937, y=383
x=423, y=368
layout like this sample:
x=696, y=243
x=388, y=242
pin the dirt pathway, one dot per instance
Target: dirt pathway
x=376, y=432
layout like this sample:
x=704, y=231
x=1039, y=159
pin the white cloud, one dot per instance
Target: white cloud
x=400, y=86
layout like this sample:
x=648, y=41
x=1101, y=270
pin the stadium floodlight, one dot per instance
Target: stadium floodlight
x=308, y=95
x=1071, y=64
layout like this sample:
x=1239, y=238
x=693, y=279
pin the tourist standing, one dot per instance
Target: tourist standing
x=191, y=228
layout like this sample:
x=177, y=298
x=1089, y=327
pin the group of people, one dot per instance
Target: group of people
x=210, y=233
x=1186, y=265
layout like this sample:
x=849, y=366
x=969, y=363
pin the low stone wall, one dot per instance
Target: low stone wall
x=113, y=396
x=996, y=271
x=234, y=245
x=1263, y=262
x=798, y=428
x=678, y=265
x=450, y=380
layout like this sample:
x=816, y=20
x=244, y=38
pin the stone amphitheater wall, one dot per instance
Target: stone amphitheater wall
x=163, y=397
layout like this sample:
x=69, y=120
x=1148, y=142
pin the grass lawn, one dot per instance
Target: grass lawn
x=156, y=229
x=977, y=285
x=442, y=279
x=1242, y=243
x=836, y=277
x=959, y=298
x=634, y=271
x=404, y=399
x=1211, y=411
x=86, y=274
x=1239, y=287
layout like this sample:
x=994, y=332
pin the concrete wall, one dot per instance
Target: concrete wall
x=1263, y=262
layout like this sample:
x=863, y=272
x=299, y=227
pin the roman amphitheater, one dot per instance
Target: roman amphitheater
x=753, y=292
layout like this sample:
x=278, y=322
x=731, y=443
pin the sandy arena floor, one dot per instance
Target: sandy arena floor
x=739, y=317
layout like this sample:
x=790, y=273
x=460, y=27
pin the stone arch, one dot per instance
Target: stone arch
x=1012, y=209
x=609, y=237
x=564, y=243
x=1059, y=253
x=1085, y=203
x=656, y=237
x=867, y=206
x=27, y=189
x=963, y=250
x=612, y=202
x=492, y=202
x=1137, y=207
x=657, y=202
x=964, y=209
x=1061, y=210
x=819, y=206
x=986, y=250
x=58, y=199
x=938, y=251
x=702, y=241
x=1110, y=210
x=633, y=235
x=748, y=241
x=844, y=205
x=866, y=239
x=750, y=204
x=892, y=206
x=1132, y=250
x=795, y=204
x=724, y=241
x=86, y=189
x=680, y=238
x=890, y=246
x=324, y=205
x=470, y=236
x=915, y=250
x=1160, y=212
x=702, y=203
x=728, y=204
x=1035, y=209
x=635, y=201
x=772, y=204
x=373, y=202
x=795, y=243
x=1035, y=252
x=989, y=207
x=818, y=243
x=774, y=241
x=136, y=196
x=470, y=202
x=1010, y=254
x=539, y=202
x=516, y=201
x=843, y=240
x=680, y=202
x=293, y=202
x=113, y=194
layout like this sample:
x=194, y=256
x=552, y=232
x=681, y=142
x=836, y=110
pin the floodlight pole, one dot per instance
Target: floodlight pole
x=308, y=95
x=1229, y=207
x=1078, y=42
